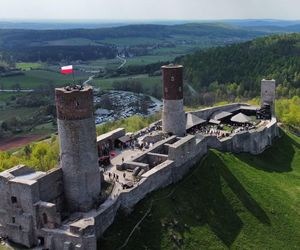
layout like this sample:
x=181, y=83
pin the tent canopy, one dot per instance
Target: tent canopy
x=124, y=139
x=193, y=120
x=221, y=115
x=241, y=118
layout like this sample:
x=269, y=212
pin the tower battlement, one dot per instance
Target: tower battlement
x=74, y=103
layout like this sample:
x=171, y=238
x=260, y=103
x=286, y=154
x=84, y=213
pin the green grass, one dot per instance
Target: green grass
x=38, y=78
x=28, y=66
x=45, y=128
x=103, y=63
x=5, y=248
x=179, y=50
x=6, y=96
x=147, y=81
x=131, y=124
x=227, y=128
x=129, y=41
x=72, y=42
x=138, y=60
x=11, y=112
x=144, y=60
x=227, y=201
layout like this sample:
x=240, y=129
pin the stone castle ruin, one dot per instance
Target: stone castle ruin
x=64, y=208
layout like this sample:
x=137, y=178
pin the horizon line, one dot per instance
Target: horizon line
x=142, y=20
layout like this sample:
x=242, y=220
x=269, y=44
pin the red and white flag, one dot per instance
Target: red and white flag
x=66, y=69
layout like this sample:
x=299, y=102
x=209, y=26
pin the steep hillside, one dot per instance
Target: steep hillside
x=237, y=201
x=236, y=70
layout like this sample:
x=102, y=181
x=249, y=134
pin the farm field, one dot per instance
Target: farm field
x=6, y=96
x=144, y=60
x=20, y=112
x=19, y=141
x=28, y=65
x=33, y=79
x=147, y=82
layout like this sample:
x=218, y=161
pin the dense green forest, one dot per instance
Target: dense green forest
x=224, y=73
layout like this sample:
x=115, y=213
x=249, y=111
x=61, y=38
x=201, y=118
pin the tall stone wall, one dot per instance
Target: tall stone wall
x=253, y=142
x=58, y=240
x=20, y=202
x=19, y=218
x=158, y=177
x=51, y=188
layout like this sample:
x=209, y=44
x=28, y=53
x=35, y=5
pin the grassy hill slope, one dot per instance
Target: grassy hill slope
x=228, y=201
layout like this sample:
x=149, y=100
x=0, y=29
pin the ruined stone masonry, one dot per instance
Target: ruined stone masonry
x=59, y=209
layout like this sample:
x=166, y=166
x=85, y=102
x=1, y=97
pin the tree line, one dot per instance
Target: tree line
x=224, y=73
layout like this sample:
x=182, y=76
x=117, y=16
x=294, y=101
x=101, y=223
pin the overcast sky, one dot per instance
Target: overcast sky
x=149, y=9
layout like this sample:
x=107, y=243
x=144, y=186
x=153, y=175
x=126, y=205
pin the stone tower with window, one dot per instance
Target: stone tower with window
x=173, y=116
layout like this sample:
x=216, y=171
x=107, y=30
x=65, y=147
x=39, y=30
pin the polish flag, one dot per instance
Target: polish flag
x=66, y=69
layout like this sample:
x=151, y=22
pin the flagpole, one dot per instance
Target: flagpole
x=67, y=70
x=73, y=77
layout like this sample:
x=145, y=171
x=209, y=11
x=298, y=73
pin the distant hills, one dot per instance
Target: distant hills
x=32, y=34
x=139, y=39
x=81, y=44
x=11, y=38
x=90, y=24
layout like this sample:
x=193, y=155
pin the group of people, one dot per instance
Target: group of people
x=218, y=130
x=247, y=127
x=148, y=130
x=115, y=176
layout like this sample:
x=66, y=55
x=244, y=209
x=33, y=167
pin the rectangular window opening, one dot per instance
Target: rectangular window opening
x=14, y=199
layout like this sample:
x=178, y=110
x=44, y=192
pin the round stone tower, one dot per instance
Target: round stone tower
x=78, y=151
x=173, y=116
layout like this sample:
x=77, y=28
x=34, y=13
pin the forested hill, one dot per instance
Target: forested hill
x=24, y=38
x=236, y=70
x=54, y=46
